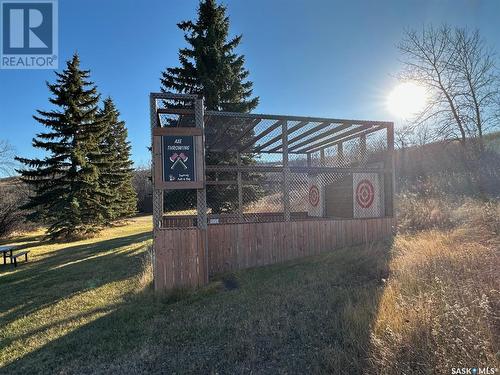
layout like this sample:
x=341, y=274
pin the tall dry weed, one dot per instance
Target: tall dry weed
x=441, y=306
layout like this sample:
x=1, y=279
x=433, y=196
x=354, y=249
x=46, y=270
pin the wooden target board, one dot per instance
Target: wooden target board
x=316, y=196
x=367, y=195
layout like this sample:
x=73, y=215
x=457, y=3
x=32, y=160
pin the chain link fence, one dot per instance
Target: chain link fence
x=268, y=169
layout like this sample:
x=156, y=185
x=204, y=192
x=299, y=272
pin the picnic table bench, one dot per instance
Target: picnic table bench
x=15, y=256
x=7, y=252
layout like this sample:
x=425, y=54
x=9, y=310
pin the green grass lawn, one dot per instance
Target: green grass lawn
x=86, y=307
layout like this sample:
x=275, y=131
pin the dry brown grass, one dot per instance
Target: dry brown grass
x=422, y=304
x=440, y=308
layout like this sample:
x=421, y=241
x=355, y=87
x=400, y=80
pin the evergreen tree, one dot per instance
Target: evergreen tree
x=117, y=174
x=211, y=67
x=67, y=193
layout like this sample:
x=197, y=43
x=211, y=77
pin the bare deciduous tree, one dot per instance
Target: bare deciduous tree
x=6, y=158
x=479, y=81
x=460, y=76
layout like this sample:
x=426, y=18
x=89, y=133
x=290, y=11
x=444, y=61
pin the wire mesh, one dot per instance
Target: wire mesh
x=273, y=168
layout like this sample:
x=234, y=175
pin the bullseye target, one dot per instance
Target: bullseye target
x=314, y=196
x=365, y=193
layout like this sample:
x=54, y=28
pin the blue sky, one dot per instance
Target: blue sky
x=317, y=58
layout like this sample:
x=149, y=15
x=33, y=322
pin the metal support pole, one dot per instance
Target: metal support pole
x=286, y=171
x=240, y=187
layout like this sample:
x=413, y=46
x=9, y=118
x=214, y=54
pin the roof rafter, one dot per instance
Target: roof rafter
x=309, y=141
x=244, y=132
x=261, y=135
x=302, y=135
x=279, y=136
x=344, y=137
x=230, y=122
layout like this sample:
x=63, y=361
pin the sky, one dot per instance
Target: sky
x=317, y=58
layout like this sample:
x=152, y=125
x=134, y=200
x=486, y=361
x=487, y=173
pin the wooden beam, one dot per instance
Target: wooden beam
x=302, y=135
x=346, y=136
x=177, y=131
x=297, y=118
x=175, y=111
x=323, y=144
x=293, y=169
x=389, y=176
x=278, y=137
x=362, y=148
x=230, y=122
x=286, y=172
x=245, y=131
x=235, y=182
x=340, y=153
x=240, y=187
x=320, y=136
x=261, y=135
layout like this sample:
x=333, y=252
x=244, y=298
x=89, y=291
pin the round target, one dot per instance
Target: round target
x=314, y=195
x=365, y=193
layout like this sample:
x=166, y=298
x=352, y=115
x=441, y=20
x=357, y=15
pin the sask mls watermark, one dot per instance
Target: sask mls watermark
x=474, y=370
x=29, y=34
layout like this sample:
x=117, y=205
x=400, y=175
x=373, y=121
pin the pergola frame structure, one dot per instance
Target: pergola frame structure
x=281, y=135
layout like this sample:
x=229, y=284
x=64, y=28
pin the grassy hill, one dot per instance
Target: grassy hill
x=419, y=304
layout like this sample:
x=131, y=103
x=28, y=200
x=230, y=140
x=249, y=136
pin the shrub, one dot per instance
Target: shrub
x=12, y=219
x=420, y=213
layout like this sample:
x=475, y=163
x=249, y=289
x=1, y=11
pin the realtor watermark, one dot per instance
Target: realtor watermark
x=29, y=34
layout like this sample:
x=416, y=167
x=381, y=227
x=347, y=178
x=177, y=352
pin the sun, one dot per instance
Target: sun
x=406, y=99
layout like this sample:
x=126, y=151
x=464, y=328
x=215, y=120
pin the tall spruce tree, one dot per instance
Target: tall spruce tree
x=117, y=174
x=210, y=66
x=67, y=193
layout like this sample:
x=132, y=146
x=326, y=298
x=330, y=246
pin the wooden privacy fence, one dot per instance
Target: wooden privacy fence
x=233, y=247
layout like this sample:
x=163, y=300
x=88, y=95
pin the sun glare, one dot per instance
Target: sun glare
x=406, y=100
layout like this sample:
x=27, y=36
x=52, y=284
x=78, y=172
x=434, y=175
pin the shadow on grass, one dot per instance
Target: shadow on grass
x=63, y=273
x=32, y=239
x=311, y=315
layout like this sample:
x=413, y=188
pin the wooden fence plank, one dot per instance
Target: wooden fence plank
x=181, y=258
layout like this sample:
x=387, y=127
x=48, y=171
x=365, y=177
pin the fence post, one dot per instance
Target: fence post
x=157, y=194
x=389, y=174
x=286, y=171
x=362, y=149
x=240, y=187
x=201, y=195
x=340, y=154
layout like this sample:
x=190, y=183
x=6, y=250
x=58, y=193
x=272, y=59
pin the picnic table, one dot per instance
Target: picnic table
x=5, y=250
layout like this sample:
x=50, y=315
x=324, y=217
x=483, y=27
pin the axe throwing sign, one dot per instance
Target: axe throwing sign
x=178, y=158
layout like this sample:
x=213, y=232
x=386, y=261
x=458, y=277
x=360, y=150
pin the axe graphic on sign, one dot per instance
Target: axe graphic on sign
x=176, y=159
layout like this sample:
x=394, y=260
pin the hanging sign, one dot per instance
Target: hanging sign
x=178, y=158
x=178, y=155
